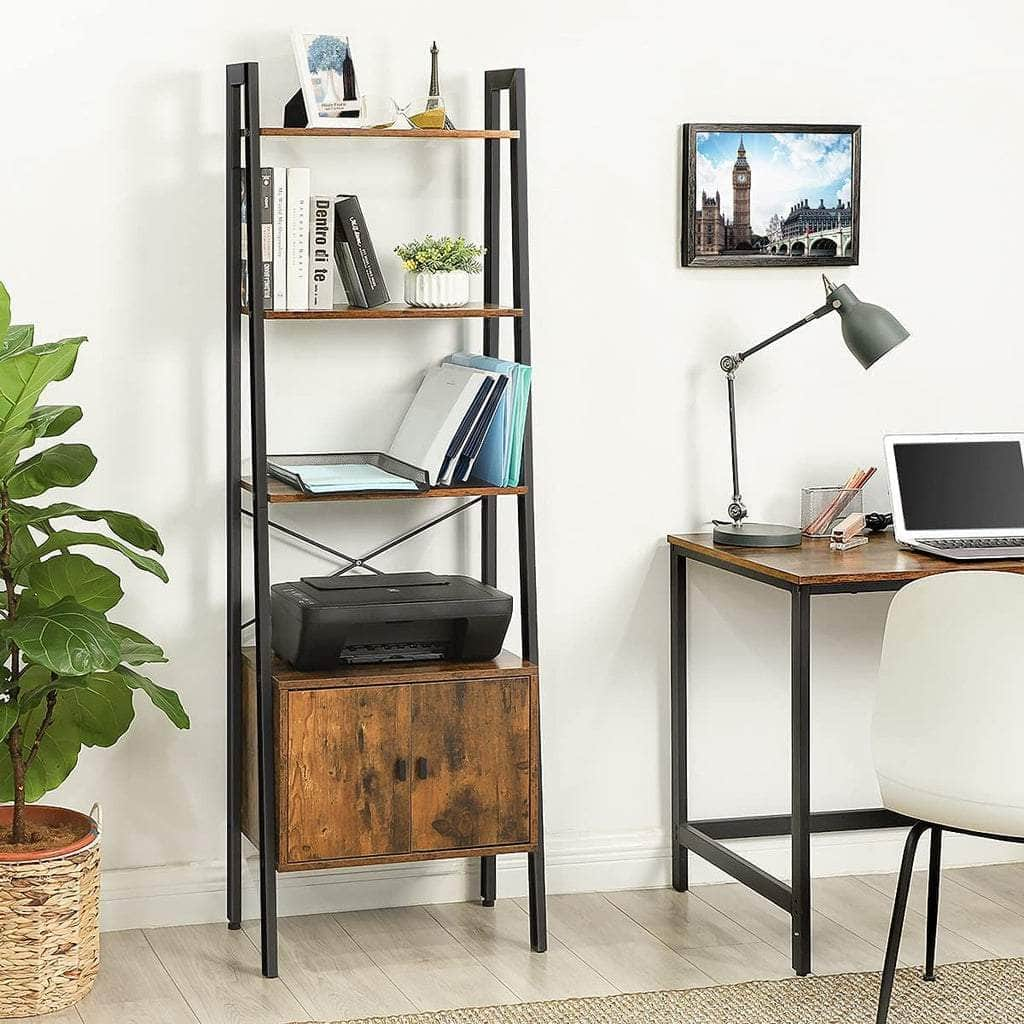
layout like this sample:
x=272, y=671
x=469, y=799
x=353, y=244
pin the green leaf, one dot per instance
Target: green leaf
x=67, y=639
x=57, y=757
x=63, y=465
x=24, y=375
x=17, y=339
x=101, y=705
x=5, y=309
x=92, y=586
x=70, y=538
x=11, y=446
x=9, y=712
x=23, y=548
x=166, y=700
x=135, y=648
x=135, y=531
x=54, y=420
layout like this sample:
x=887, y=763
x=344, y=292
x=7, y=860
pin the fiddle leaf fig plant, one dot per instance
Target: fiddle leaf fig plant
x=68, y=675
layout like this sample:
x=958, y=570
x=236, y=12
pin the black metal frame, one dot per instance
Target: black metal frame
x=687, y=242
x=704, y=838
x=243, y=135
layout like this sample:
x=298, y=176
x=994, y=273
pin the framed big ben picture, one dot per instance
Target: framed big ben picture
x=770, y=195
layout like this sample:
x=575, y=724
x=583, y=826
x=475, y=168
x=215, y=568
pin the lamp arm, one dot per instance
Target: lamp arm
x=729, y=365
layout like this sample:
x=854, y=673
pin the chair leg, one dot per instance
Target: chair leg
x=934, y=877
x=899, y=913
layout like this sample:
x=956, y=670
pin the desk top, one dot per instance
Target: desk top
x=812, y=563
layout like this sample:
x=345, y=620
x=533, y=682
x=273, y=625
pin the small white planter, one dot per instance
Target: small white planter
x=438, y=290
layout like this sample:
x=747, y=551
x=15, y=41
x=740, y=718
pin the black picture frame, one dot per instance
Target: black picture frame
x=688, y=242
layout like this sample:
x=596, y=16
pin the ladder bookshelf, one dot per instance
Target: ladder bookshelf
x=256, y=683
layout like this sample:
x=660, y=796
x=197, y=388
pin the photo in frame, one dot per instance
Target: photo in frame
x=327, y=77
x=770, y=195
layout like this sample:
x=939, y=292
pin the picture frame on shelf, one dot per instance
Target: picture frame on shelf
x=328, y=91
x=770, y=195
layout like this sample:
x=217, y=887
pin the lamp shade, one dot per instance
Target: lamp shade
x=868, y=330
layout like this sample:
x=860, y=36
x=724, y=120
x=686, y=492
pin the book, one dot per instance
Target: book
x=280, y=238
x=321, y=249
x=298, y=238
x=267, y=235
x=462, y=435
x=357, y=260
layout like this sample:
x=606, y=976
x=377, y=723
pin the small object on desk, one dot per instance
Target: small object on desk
x=848, y=528
x=869, y=332
x=876, y=522
x=847, y=545
x=821, y=507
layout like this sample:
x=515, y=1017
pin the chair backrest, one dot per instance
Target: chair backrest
x=949, y=718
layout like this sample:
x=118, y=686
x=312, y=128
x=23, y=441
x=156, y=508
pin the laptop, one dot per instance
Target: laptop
x=958, y=495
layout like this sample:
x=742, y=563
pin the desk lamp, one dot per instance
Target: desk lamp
x=869, y=332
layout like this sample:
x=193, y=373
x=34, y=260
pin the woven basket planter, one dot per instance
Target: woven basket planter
x=49, y=921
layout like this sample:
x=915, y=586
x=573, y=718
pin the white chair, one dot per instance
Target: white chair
x=948, y=732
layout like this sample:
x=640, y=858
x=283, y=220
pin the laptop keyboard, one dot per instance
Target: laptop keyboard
x=954, y=543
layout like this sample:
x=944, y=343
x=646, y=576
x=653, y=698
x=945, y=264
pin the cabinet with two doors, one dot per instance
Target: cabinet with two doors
x=384, y=763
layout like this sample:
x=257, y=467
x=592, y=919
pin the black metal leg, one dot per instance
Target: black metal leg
x=488, y=880
x=538, y=888
x=801, y=779
x=677, y=614
x=934, y=879
x=261, y=546
x=233, y=284
x=899, y=912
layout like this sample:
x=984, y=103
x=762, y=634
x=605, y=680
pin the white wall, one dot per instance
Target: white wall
x=112, y=226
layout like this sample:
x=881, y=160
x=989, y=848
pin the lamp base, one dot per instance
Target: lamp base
x=757, y=535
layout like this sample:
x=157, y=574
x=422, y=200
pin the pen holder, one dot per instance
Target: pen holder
x=822, y=507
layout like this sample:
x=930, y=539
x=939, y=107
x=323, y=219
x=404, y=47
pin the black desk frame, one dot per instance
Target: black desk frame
x=704, y=838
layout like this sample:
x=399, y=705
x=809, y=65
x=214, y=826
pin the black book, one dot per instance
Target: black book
x=267, y=235
x=357, y=259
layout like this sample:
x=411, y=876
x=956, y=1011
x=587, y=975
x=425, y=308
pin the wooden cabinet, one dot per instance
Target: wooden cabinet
x=400, y=762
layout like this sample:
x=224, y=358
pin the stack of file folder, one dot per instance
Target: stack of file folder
x=466, y=422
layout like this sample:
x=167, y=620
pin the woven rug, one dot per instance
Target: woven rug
x=990, y=992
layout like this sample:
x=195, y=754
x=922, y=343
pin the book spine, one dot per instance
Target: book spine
x=350, y=228
x=298, y=238
x=280, y=238
x=321, y=248
x=267, y=235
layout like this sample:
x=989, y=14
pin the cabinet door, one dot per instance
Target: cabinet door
x=348, y=776
x=471, y=760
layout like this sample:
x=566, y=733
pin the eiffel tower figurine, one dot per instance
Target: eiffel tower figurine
x=434, y=91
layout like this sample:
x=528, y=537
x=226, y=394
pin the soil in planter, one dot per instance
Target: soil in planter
x=43, y=837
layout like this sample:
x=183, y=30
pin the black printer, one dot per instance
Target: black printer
x=322, y=621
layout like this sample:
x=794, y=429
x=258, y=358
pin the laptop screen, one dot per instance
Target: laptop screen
x=969, y=485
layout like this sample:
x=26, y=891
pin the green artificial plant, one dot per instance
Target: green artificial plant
x=68, y=674
x=440, y=255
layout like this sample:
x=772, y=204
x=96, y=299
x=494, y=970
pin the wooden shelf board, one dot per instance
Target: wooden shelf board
x=392, y=311
x=506, y=664
x=389, y=133
x=279, y=491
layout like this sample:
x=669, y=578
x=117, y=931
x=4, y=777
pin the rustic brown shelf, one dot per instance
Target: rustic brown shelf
x=389, y=133
x=392, y=311
x=278, y=491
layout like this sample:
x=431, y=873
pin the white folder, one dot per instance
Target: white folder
x=436, y=413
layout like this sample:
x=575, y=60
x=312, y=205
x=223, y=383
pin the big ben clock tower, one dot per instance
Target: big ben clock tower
x=741, y=199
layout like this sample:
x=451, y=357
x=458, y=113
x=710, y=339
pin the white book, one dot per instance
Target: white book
x=280, y=238
x=321, y=252
x=298, y=238
x=437, y=411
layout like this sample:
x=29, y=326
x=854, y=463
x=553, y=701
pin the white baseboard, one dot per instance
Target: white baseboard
x=155, y=897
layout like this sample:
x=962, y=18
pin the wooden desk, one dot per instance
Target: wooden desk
x=805, y=571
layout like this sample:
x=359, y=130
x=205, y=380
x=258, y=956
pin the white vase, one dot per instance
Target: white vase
x=437, y=290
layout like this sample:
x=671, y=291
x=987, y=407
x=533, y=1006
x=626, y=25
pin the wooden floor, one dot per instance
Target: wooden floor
x=340, y=966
